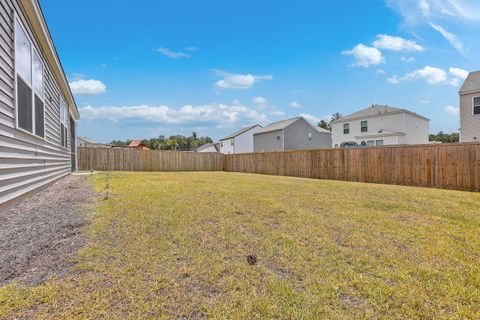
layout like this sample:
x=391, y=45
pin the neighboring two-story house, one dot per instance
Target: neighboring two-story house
x=380, y=125
x=470, y=108
x=240, y=141
x=291, y=134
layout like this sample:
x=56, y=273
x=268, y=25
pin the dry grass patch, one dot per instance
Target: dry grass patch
x=175, y=245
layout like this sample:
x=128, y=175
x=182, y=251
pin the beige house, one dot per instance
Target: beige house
x=470, y=108
x=380, y=125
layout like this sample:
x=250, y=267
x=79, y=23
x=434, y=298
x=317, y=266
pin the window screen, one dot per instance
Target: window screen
x=346, y=128
x=23, y=54
x=39, y=121
x=364, y=126
x=24, y=105
x=476, y=105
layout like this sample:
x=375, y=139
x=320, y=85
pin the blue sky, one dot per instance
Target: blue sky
x=167, y=67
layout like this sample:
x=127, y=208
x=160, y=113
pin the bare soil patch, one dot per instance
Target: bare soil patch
x=40, y=234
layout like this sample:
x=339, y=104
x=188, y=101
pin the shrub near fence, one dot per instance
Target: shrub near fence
x=105, y=159
x=447, y=166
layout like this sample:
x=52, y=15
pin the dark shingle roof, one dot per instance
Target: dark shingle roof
x=239, y=132
x=472, y=83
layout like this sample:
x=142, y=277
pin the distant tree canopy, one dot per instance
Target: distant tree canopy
x=445, y=137
x=327, y=124
x=176, y=142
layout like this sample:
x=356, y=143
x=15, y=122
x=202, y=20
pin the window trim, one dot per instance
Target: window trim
x=60, y=98
x=379, y=145
x=362, y=127
x=475, y=106
x=17, y=20
x=346, y=128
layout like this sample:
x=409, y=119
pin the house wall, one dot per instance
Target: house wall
x=469, y=123
x=27, y=162
x=296, y=137
x=226, y=146
x=268, y=141
x=244, y=142
x=416, y=129
x=209, y=149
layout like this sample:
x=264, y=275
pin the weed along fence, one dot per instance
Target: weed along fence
x=104, y=159
x=446, y=166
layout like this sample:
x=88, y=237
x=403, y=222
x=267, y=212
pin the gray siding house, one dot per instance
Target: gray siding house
x=37, y=109
x=470, y=108
x=291, y=134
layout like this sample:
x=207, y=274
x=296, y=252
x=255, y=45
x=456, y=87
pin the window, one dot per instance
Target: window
x=63, y=122
x=379, y=142
x=30, y=105
x=476, y=105
x=231, y=142
x=346, y=128
x=364, y=126
x=310, y=136
x=221, y=144
x=278, y=137
x=370, y=143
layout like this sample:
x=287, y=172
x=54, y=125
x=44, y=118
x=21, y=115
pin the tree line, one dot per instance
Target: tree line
x=176, y=142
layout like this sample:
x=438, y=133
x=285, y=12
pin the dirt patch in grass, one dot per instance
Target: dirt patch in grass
x=40, y=234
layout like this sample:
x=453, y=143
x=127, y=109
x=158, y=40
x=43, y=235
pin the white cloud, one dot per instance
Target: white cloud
x=313, y=119
x=453, y=39
x=260, y=102
x=452, y=110
x=381, y=71
x=213, y=114
x=431, y=74
x=173, y=54
x=192, y=49
x=425, y=101
x=365, y=56
x=295, y=105
x=458, y=73
x=238, y=81
x=388, y=42
x=87, y=87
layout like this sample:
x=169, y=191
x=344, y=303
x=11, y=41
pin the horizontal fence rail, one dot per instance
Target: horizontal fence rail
x=106, y=159
x=446, y=166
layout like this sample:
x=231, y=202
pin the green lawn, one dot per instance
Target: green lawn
x=175, y=245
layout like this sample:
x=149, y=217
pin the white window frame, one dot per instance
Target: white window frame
x=67, y=120
x=31, y=86
x=474, y=106
x=348, y=128
x=361, y=126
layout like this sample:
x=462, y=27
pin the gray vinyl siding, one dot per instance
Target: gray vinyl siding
x=27, y=162
x=469, y=123
x=296, y=137
x=267, y=141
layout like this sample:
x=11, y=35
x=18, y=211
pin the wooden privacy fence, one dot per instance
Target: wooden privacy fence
x=446, y=166
x=105, y=159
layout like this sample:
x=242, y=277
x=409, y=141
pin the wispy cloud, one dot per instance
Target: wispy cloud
x=452, y=38
x=238, y=81
x=260, y=102
x=452, y=110
x=295, y=105
x=365, y=56
x=433, y=76
x=85, y=87
x=176, y=54
x=212, y=114
x=387, y=42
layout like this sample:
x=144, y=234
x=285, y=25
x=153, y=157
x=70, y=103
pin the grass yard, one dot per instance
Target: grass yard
x=175, y=245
